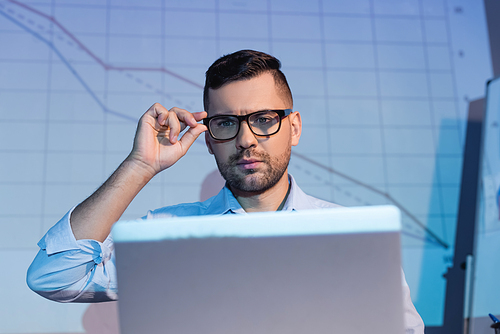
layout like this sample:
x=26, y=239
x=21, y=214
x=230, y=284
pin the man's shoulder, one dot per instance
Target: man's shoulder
x=317, y=203
x=300, y=200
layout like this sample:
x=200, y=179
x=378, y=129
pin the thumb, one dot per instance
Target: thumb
x=190, y=136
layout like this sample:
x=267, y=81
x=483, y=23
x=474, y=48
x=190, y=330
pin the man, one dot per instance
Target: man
x=251, y=129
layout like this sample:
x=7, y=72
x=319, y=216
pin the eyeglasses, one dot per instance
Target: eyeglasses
x=261, y=123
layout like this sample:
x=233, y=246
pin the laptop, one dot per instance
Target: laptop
x=313, y=271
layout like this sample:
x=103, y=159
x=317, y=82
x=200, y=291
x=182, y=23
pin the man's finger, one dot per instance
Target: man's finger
x=198, y=116
x=159, y=113
x=172, y=122
x=185, y=116
x=190, y=136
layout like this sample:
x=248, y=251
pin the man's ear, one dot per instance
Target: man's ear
x=208, y=143
x=296, y=127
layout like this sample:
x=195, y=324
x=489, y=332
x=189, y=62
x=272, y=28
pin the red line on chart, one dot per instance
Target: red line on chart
x=107, y=67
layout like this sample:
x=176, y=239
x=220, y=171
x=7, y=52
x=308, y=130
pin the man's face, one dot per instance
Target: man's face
x=251, y=163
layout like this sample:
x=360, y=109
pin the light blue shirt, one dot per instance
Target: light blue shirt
x=70, y=270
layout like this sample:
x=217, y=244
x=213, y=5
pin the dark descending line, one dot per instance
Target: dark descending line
x=375, y=190
x=70, y=68
x=106, y=66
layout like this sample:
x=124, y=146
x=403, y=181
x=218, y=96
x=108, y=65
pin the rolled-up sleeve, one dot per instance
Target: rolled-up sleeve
x=70, y=270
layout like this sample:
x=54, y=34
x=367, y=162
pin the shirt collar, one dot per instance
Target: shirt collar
x=224, y=202
x=297, y=199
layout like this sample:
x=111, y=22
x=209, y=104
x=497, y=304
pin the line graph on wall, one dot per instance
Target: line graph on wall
x=374, y=83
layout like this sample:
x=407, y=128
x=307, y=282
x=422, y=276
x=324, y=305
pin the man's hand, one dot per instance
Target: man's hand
x=156, y=147
x=156, y=143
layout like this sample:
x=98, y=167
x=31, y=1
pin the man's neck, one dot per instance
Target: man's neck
x=269, y=200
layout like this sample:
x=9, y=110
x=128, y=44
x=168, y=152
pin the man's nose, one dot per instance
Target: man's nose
x=245, y=138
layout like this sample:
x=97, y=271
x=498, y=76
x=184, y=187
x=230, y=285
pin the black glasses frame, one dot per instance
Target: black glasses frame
x=282, y=113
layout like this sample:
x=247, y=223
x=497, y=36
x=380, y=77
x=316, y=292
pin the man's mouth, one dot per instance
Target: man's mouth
x=248, y=163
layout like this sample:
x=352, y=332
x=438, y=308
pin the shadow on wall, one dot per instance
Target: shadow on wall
x=211, y=185
x=102, y=318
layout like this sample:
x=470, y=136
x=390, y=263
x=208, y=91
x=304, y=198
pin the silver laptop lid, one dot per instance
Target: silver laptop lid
x=315, y=271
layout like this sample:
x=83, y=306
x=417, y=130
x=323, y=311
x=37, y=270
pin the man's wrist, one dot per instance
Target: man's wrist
x=138, y=168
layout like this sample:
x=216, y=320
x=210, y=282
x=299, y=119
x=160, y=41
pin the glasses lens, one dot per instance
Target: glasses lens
x=265, y=123
x=223, y=127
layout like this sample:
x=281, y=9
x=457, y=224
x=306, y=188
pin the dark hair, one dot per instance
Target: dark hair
x=244, y=65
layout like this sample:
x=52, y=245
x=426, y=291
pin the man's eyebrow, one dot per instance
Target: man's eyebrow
x=230, y=113
x=223, y=113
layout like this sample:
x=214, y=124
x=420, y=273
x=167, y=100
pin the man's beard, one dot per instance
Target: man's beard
x=257, y=180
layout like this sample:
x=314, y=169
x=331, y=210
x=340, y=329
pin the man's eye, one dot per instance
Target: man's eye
x=225, y=123
x=263, y=120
